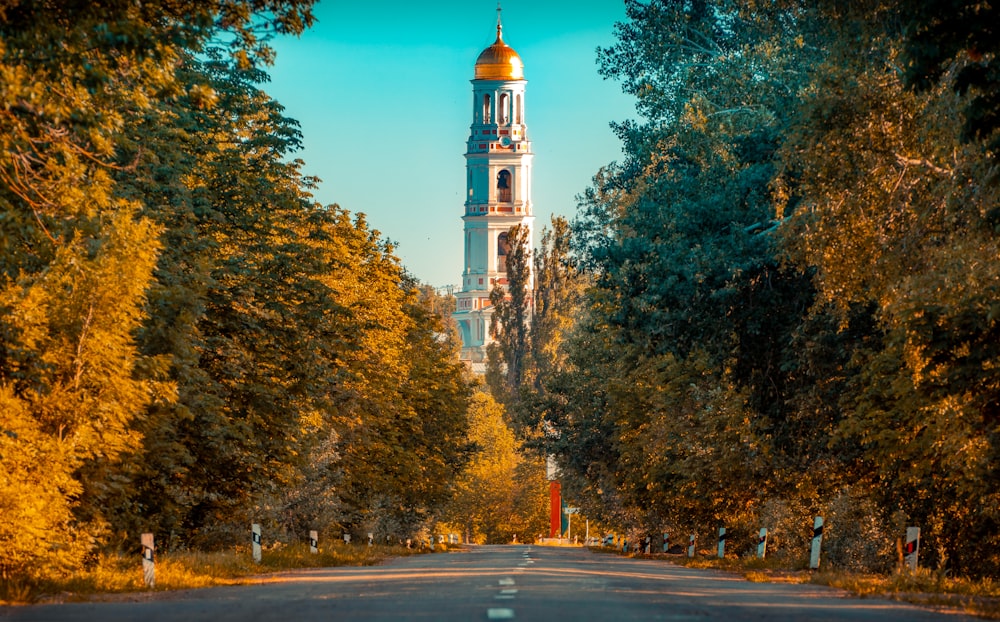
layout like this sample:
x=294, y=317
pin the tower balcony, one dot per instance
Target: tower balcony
x=509, y=208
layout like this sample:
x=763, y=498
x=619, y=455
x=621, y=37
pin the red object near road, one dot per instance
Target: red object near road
x=555, y=510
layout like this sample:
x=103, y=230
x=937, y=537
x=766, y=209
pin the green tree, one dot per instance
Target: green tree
x=677, y=377
x=509, y=323
x=558, y=289
x=556, y=301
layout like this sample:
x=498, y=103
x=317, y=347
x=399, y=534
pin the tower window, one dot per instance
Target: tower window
x=517, y=110
x=502, y=113
x=503, y=186
x=487, y=112
x=503, y=247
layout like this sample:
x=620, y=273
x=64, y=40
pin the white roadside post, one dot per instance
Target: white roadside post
x=722, y=542
x=817, y=542
x=666, y=543
x=691, y=545
x=648, y=548
x=912, y=547
x=371, y=539
x=255, y=541
x=347, y=538
x=148, y=568
x=314, y=541
x=762, y=543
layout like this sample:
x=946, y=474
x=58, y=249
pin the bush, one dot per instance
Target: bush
x=788, y=523
x=856, y=537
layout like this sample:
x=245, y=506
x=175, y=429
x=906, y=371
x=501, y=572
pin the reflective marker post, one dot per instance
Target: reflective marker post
x=255, y=541
x=912, y=547
x=762, y=543
x=722, y=542
x=148, y=568
x=817, y=542
x=666, y=543
x=313, y=542
x=691, y=546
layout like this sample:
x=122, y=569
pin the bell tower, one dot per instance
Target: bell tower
x=498, y=189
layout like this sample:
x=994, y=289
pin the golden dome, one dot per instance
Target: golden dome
x=499, y=62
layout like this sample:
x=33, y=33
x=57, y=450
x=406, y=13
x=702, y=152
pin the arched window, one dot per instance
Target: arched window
x=517, y=110
x=503, y=247
x=487, y=113
x=503, y=186
x=502, y=110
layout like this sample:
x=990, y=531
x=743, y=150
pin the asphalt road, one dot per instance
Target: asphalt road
x=493, y=583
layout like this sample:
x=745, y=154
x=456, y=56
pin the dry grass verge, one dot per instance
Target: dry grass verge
x=119, y=574
x=975, y=597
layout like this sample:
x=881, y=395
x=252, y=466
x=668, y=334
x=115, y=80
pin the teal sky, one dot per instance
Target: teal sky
x=383, y=93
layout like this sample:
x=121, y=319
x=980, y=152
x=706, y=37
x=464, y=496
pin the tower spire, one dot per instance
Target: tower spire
x=499, y=24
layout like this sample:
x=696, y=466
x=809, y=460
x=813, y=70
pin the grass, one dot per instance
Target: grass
x=120, y=574
x=975, y=597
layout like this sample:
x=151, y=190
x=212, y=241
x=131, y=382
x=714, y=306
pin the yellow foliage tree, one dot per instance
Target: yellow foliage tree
x=501, y=493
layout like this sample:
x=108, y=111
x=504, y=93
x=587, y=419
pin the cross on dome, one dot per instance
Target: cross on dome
x=499, y=61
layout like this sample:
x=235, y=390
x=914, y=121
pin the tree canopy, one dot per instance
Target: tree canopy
x=188, y=342
x=791, y=307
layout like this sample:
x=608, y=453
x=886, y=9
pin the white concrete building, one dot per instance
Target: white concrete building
x=498, y=189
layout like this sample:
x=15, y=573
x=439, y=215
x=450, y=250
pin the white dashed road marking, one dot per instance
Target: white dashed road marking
x=500, y=614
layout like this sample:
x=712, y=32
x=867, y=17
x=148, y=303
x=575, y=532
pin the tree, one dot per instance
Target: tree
x=408, y=439
x=78, y=250
x=679, y=373
x=559, y=288
x=954, y=41
x=501, y=492
x=70, y=389
x=182, y=327
x=788, y=287
x=892, y=205
x=509, y=323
